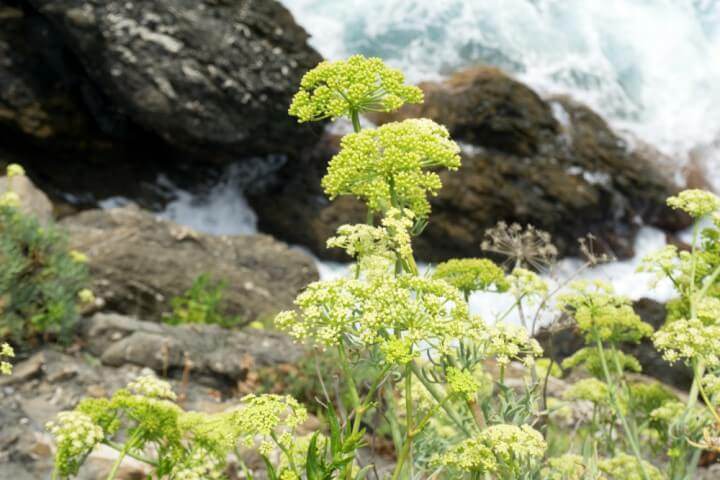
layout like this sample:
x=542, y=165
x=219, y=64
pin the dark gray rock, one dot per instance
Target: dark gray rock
x=214, y=78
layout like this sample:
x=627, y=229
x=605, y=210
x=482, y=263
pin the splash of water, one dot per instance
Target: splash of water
x=651, y=67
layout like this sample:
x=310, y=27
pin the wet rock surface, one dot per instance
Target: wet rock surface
x=138, y=263
x=551, y=163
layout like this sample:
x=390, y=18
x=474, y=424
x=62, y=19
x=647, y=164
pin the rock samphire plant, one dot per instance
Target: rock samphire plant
x=457, y=395
x=41, y=280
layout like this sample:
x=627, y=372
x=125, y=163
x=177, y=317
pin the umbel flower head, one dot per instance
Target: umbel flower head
x=418, y=310
x=76, y=435
x=389, y=166
x=696, y=203
x=589, y=357
x=15, y=170
x=601, y=315
x=6, y=351
x=689, y=340
x=503, y=450
x=472, y=275
x=391, y=240
x=356, y=85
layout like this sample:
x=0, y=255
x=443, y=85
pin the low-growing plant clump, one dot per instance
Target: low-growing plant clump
x=41, y=280
x=202, y=303
x=438, y=384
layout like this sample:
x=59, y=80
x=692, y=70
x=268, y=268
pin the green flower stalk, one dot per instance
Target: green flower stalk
x=347, y=88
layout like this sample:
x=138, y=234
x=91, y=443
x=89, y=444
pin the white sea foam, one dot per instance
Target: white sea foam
x=651, y=67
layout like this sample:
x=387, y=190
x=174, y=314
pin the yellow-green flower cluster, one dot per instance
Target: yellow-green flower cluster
x=388, y=166
x=668, y=413
x=565, y=467
x=507, y=342
x=10, y=199
x=391, y=239
x=589, y=357
x=86, y=296
x=78, y=257
x=711, y=384
x=696, y=203
x=6, y=351
x=601, y=315
x=356, y=85
x=75, y=435
x=588, y=389
x=462, y=383
x=418, y=310
x=627, y=467
x=199, y=464
x=689, y=340
x=15, y=170
x=499, y=449
x=152, y=387
x=472, y=275
x=526, y=284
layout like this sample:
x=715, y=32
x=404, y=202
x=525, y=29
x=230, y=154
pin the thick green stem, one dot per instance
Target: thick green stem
x=440, y=398
x=121, y=457
x=409, y=418
x=347, y=373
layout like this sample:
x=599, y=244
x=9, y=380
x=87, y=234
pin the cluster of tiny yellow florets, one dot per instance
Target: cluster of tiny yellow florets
x=388, y=166
x=75, y=435
x=199, y=464
x=356, y=85
x=268, y=420
x=6, y=351
x=10, y=198
x=416, y=309
x=507, y=342
x=526, y=284
x=462, y=383
x=590, y=390
x=389, y=240
x=589, y=357
x=696, y=203
x=472, y=275
x=499, y=449
x=689, y=340
x=152, y=387
x=565, y=467
x=602, y=315
x=627, y=467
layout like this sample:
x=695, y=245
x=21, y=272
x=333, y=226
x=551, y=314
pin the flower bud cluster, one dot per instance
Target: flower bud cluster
x=499, y=449
x=356, y=85
x=696, y=203
x=75, y=435
x=6, y=351
x=689, y=340
x=152, y=387
x=388, y=166
x=472, y=275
